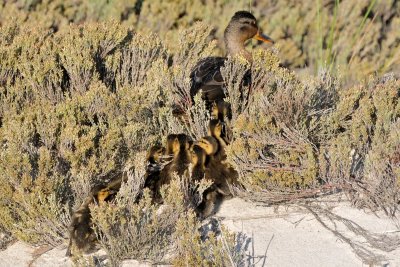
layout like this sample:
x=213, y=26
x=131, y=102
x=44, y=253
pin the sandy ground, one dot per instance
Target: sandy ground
x=334, y=235
x=325, y=233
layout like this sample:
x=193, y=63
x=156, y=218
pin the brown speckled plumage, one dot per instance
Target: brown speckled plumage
x=206, y=75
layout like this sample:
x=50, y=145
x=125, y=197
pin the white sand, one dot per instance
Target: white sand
x=288, y=235
x=292, y=236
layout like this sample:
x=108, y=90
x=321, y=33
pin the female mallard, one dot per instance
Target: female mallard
x=206, y=75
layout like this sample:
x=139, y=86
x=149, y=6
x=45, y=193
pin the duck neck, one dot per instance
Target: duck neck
x=235, y=47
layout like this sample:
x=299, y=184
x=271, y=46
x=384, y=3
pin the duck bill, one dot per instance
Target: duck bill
x=262, y=37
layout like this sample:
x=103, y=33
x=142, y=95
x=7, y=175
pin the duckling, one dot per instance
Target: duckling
x=217, y=130
x=198, y=160
x=108, y=193
x=104, y=195
x=155, y=162
x=154, y=154
x=206, y=75
x=207, y=207
x=211, y=195
x=81, y=234
x=180, y=149
x=225, y=176
x=170, y=144
x=213, y=169
x=178, y=145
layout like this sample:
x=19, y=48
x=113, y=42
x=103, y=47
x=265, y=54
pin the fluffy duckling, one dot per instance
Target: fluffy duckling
x=223, y=174
x=178, y=146
x=170, y=144
x=207, y=207
x=155, y=154
x=198, y=160
x=155, y=162
x=211, y=195
x=217, y=129
x=81, y=232
x=216, y=141
x=214, y=169
x=180, y=150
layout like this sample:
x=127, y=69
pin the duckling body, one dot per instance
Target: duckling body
x=223, y=177
x=223, y=174
x=154, y=166
x=210, y=196
x=207, y=207
x=209, y=144
x=206, y=74
x=180, y=150
x=217, y=130
x=81, y=232
x=198, y=160
x=154, y=154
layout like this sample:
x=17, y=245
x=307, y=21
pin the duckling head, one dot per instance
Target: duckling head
x=102, y=195
x=197, y=155
x=177, y=143
x=209, y=144
x=170, y=144
x=155, y=153
x=184, y=141
x=221, y=110
x=216, y=128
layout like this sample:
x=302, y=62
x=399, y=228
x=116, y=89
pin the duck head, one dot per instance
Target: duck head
x=242, y=27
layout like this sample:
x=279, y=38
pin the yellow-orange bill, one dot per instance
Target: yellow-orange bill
x=261, y=37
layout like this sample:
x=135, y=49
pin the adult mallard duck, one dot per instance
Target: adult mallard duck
x=206, y=75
